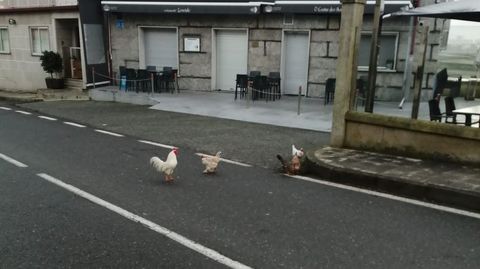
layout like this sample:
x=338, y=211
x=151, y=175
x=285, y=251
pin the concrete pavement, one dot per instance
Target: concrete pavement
x=257, y=144
x=249, y=214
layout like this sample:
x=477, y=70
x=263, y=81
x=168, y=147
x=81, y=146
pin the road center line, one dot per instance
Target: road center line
x=47, y=118
x=108, y=133
x=224, y=160
x=390, y=196
x=156, y=144
x=12, y=161
x=212, y=254
x=74, y=124
x=5, y=108
x=23, y=112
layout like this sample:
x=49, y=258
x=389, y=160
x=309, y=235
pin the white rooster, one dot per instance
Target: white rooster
x=297, y=152
x=168, y=166
x=211, y=163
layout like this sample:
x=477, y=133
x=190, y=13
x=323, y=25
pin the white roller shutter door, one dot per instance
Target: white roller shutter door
x=231, y=57
x=160, y=47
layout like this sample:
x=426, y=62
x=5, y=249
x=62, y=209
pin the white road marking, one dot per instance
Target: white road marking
x=47, y=118
x=156, y=144
x=390, y=196
x=23, y=112
x=12, y=161
x=224, y=160
x=74, y=124
x=5, y=108
x=212, y=254
x=108, y=133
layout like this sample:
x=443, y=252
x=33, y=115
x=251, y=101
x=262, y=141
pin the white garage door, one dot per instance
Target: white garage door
x=296, y=62
x=231, y=57
x=160, y=47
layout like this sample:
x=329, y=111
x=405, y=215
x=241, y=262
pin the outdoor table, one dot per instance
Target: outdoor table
x=468, y=112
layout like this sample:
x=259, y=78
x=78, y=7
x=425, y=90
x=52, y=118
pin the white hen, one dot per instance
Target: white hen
x=211, y=163
x=297, y=152
x=168, y=166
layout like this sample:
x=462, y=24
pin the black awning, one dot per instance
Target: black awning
x=186, y=7
x=468, y=10
x=330, y=6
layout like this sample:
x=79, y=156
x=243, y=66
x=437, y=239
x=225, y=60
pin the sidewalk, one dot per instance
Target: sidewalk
x=451, y=184
x=42, y=95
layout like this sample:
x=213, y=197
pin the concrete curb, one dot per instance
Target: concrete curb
x=20, y=99
x=439, y=194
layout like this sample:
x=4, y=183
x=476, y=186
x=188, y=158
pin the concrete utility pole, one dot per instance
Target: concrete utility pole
x=349, y=38
x=420, y=55
x=374, y=47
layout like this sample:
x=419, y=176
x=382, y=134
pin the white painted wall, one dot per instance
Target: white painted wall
x=20, y=70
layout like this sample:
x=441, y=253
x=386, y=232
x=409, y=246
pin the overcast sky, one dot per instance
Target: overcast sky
x=465, y=29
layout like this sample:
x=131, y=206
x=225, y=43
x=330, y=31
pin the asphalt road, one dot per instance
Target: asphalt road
x=248, y=214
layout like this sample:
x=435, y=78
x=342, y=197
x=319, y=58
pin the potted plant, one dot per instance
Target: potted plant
x=52, y=63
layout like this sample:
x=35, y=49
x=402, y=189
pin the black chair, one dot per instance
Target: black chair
x=259, y=87
x=329, y=90
x=169, y=79
x=274, y=83
x=131, y=79
x=449, y=108
x=434, y=109
x=144, y=82
x=167, y=68
x=241, y=83
x=254, y=74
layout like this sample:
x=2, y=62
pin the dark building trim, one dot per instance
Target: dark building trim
x=38, y=9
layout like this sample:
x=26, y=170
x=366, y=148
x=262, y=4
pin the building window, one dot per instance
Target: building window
x=387, y=54
x=40, y=40
x=4, y=40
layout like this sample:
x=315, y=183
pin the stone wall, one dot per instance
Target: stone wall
x=414, y=138
x=265, y=47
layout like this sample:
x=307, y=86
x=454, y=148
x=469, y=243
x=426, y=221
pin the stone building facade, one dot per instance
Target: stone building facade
x=266, y=48
x=30, y=27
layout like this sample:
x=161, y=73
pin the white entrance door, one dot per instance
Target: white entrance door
x=231, y=57
x=296, y=62
x=160, y=47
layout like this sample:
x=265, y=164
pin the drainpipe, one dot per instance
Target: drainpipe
x=407, y=77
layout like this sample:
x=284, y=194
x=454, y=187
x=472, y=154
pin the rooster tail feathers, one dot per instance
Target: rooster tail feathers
x=156, y=163
x=284, y=163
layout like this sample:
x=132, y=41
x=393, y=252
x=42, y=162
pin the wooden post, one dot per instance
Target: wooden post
x=420, y=55
x=93, y=76
x=374, y=46
x=299, y=99
x=152, y=80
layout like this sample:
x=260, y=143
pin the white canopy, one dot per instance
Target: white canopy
x=468, y=10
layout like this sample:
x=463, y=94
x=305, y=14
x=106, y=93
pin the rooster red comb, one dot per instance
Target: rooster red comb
x=174, y=149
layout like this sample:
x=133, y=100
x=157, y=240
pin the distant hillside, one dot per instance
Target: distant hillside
x=462, y=49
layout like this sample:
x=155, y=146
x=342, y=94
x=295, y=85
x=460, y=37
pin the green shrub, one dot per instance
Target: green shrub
x=51, y=62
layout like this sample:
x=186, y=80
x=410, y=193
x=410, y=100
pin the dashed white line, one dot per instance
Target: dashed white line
x=23, y=112
x=5, y=108
x=391, y=197
x=74, y=124
x=224, y=160
x=12, y=161
x=212, y=254
x=47, y=118
x=108, y=133
x=156, y=144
